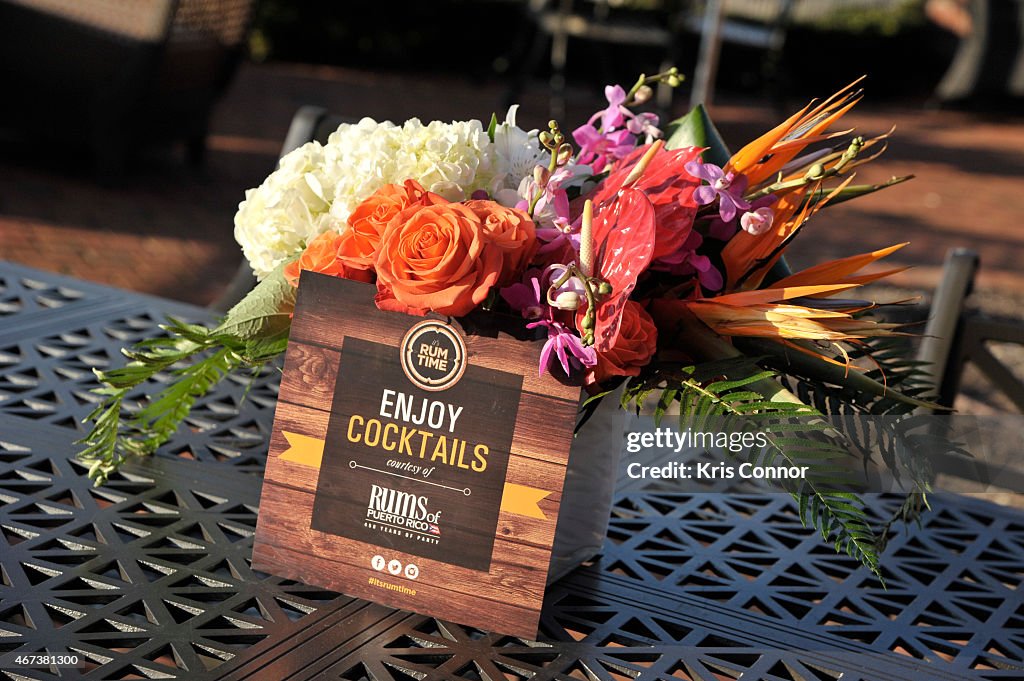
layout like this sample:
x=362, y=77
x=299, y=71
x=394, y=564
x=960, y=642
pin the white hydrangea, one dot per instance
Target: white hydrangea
x=290, y=208
x=317, y=186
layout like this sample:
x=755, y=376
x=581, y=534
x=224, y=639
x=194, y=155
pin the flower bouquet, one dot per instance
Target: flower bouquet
x=649, y=259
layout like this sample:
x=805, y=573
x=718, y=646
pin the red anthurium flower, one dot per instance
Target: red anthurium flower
x=623, y=232
x=668, y=187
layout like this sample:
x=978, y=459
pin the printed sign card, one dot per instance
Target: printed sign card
x=414, y=464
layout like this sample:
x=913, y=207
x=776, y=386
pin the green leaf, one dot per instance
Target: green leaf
x=668, y=396
x=492, y=127
x=101, y=442
x=162, y=416
x=818, y=368
x=261, y=350
x=796, y=434
x=198, y=358
x=126, y=377
x=589, y=406
x=592, y=399
x=695, y=129
x=197, y=333
x=264, y=312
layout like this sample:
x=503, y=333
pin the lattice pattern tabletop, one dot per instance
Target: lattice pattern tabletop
x=149, y=576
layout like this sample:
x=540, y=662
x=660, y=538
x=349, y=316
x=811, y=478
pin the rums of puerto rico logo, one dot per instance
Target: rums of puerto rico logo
x=391, y=511
x=433, y=355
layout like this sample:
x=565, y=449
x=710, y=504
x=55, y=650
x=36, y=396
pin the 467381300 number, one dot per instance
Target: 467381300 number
x=15, y=660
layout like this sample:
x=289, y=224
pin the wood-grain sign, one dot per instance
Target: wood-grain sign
x=413, y=462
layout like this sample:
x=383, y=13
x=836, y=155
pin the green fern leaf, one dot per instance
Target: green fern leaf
x=797, y=435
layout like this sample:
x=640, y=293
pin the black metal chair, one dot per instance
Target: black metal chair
x=118, y=75
x=663, y=25
x=955, y=336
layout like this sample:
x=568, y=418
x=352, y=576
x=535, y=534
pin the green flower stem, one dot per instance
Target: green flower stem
x=671, y=77
x=816, y=173
x=534, y=201
x=554, y=141
x=591, y=315
x=590, y=285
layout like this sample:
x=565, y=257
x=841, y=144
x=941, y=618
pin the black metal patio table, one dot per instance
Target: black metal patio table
x=148, y=577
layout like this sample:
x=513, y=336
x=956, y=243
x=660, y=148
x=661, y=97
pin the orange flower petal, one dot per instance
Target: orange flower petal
x=766, y=155
x=776, y=293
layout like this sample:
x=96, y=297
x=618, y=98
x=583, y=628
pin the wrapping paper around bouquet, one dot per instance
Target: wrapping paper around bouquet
x=414, y=464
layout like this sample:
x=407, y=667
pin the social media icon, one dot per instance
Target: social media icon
x=412, y=571
x=378, y=562
x=395, y=567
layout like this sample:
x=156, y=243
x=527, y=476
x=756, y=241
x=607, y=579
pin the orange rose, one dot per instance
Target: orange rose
x=512, y=231
x=359, y=244
x=435, y=258
x=321, y=255
x=636, y=344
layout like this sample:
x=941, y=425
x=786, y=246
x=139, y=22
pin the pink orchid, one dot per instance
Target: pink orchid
x=728, y=188
x=566, y=346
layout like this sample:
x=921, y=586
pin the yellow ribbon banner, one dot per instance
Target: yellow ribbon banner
x=516, y=499
x=303, y=450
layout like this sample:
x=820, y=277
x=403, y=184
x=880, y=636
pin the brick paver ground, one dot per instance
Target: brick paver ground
x=166, y=228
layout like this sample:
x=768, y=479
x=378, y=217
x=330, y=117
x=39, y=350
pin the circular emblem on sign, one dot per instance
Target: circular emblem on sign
x=433, y=355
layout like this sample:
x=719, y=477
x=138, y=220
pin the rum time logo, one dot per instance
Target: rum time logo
x=433, y=355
